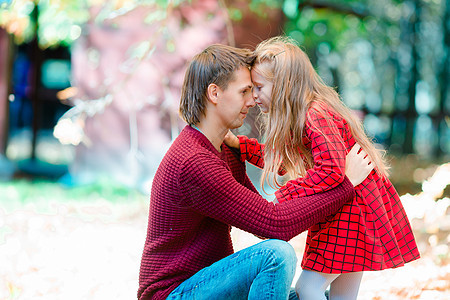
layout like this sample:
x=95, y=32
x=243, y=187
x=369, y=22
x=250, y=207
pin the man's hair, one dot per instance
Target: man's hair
x=216, y=64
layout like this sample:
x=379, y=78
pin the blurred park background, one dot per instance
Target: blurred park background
x=89, y=93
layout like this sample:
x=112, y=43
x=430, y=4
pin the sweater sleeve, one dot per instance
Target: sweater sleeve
x=328, y=151
x=211, y=190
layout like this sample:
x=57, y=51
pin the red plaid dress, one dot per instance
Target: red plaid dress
x=372, y=232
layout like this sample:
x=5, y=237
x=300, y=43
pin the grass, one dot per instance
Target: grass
x=40, y=193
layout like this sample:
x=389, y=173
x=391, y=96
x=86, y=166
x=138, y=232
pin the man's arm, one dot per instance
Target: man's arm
x=213, y=191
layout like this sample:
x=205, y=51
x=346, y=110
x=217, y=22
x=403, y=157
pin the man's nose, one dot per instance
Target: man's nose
x=251, y=100
x=254, y=95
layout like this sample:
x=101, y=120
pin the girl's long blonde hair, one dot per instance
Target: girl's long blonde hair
x=296, y=87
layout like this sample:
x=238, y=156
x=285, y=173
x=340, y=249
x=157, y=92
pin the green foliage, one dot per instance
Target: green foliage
x=58, y=22
x=63, y=21
x=235, y=14
x=260, y=7
x=41, y=193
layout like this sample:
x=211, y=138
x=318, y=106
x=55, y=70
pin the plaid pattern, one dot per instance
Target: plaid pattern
x=372, y=232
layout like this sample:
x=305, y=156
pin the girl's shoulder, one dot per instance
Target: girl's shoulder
x=321, y=111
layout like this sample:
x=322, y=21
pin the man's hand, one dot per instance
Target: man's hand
x=231, y=140
x=357, y=165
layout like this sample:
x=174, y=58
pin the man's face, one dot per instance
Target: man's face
x=262, y=90
x=235, y=101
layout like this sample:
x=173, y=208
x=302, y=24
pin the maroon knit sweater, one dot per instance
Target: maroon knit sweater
x=197, y=195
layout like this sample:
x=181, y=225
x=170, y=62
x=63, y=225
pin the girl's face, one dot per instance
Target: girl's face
x=262, y=88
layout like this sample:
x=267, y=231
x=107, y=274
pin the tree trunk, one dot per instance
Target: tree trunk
x=444, y=78
x=36, y=58
x=5, y=77
x=411, y=113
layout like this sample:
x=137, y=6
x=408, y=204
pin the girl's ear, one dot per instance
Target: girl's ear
x=213, y=93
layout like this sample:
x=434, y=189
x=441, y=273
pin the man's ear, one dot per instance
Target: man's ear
x=213, y=92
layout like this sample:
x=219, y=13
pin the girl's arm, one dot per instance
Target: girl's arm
x=251, y=150
x=357, y=163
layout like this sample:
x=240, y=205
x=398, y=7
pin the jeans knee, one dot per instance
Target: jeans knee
x=282, y=252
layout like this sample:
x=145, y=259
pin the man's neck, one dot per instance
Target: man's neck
x=213, y=132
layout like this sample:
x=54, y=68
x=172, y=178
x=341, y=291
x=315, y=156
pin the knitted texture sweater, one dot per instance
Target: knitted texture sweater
x=197, y=194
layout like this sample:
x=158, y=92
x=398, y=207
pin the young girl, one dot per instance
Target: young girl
x=308, y=133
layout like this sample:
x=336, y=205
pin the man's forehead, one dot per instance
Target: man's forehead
x=244, y=84
x=242, y=76
x=243, y=71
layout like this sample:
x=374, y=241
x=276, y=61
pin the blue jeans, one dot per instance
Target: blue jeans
x=262, y=271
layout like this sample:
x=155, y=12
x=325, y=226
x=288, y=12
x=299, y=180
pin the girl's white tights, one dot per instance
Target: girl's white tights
x=312, y=285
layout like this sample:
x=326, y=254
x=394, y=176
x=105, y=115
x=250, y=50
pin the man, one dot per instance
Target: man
x=201, y=189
